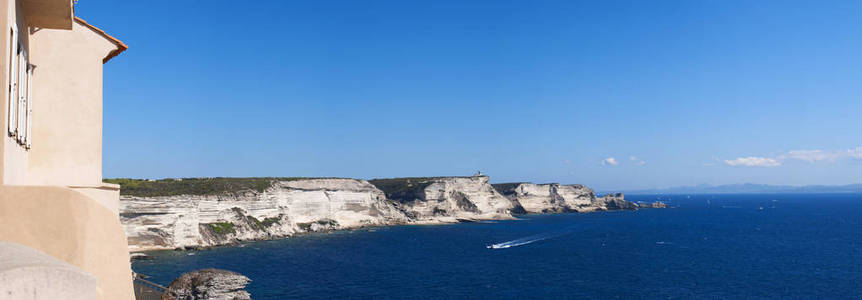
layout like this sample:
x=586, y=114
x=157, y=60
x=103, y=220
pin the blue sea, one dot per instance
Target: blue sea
x=706, y=246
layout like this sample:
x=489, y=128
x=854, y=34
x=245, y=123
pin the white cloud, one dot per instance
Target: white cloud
x=753, y=161
x=810, y=156
x=822, y=155
x=637, y=161
x=610, y=161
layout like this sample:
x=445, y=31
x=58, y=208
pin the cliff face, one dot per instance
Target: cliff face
x=192, y=213
x=614, y=202
x=283, y=209
x=534, y=198
x=549, y=198
x=554, y=198
x=448, y=199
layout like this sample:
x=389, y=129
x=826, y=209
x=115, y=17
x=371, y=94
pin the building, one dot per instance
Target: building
x=60, y=235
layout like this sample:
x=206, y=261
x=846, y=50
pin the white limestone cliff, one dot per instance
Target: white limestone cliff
x=285, y=208
x=453, y=199
x=555, y=198
x=188, y=218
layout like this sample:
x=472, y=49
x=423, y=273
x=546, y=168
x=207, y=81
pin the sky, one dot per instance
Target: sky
x=612, y=94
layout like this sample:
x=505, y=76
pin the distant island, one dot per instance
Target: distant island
x=751, y=188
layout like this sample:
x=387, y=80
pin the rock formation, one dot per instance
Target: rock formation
x=555, y=198
x=614, y=202
x=448, y=199
x=657, y=204
x=549, y=198
x=211, y=284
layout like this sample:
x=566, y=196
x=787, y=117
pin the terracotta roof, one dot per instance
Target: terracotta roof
x=120, y=45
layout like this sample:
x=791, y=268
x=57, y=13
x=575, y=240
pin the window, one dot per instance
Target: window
x=20, y=107
x=11, y=122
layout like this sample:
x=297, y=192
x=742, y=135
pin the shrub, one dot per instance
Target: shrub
x=222, y=228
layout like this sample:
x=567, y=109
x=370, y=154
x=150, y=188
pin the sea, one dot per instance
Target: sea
x=704, y=246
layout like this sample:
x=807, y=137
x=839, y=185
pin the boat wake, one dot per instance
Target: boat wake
x=527, y=240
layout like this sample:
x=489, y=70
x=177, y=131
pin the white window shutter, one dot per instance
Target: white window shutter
x=29, y=107
x=22, y=96
x=13, y=82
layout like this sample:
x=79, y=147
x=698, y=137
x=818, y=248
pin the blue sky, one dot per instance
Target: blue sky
x=676, y=92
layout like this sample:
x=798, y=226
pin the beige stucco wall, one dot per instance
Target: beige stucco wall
x=51, y=196
x=14, y=157
x=5, y=18
x=66, y=97
x=67, y=100
x=71, y=227
x=67, y=105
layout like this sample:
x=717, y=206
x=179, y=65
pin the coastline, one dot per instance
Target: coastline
x=300, y=234
x=186, y=214
x=239, y=243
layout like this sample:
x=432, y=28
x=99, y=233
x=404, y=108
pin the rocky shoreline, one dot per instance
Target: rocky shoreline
x=156, y=219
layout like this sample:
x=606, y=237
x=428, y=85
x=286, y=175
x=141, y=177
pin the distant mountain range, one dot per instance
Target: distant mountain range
x=751, y=188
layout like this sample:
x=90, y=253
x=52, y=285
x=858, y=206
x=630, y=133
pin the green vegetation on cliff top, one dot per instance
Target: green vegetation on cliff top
x=402, y=189
x=195, y=186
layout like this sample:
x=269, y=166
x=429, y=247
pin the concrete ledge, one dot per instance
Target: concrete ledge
x=106, y=194
x=26, y=273
x=52, y=14
x=102, y=186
